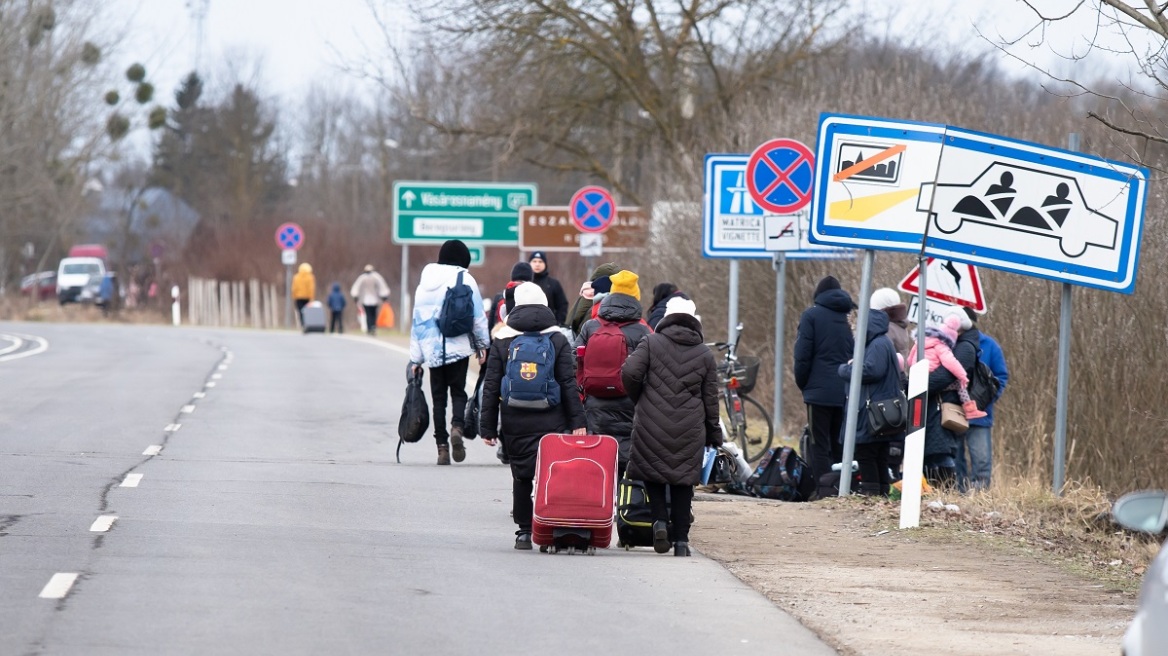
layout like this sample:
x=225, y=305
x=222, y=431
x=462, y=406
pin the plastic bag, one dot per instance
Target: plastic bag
x=415, y=413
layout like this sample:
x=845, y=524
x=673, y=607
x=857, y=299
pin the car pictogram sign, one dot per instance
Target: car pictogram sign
x=779, y=175
x=592, y=209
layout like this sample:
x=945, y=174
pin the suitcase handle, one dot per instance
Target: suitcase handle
x=581, y=441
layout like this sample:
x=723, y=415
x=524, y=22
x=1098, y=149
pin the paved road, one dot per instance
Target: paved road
x=274, y=520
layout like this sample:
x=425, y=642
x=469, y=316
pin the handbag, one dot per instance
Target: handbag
x=953, y=418
x=888, y=417
x=415, y=414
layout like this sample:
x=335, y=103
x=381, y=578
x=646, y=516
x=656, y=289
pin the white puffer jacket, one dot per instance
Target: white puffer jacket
x=425, y=339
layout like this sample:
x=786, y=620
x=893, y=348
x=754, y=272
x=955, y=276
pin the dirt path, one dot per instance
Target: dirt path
x=873, y=594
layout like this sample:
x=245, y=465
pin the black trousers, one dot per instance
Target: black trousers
x=873, y=460
x=521, y=503
x=826, y=423
x=336, y=322
x=450, y=377
x=300, y=303
x=371, y=318
x=680, y=505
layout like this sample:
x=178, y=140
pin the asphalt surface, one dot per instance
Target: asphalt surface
x=272, y=518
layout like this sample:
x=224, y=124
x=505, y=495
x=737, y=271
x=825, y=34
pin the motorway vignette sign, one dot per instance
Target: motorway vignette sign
x=476, y=212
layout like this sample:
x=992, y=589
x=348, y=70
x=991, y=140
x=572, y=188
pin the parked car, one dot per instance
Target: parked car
x=43, y=282
x=78, y=279
x=1147, y=512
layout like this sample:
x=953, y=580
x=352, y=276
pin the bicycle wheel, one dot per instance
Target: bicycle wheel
x=757, y=432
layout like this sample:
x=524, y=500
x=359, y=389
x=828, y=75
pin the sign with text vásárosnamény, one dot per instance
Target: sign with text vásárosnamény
x=481, y=213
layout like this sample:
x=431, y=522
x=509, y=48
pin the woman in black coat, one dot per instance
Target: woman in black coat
x=523, y=428
x=941, y=443
x=672, y=378
x=879, y=380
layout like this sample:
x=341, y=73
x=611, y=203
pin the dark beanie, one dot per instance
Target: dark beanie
x=522, y=271
x=540, y=255
x=828, y=283
x=971, y=314
x=454, y=252
x=661, y=291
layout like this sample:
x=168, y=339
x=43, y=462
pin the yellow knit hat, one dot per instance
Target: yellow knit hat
x=625, y=282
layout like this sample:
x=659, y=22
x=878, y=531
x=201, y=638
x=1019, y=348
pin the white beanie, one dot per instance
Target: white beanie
x=965, y=323
x=883, y=298
x=529, y=293
x=679, y=305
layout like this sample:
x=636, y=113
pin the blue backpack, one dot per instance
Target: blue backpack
x=458, y=310
x=529, y=382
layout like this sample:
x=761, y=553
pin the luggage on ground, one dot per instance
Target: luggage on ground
x=781, y=474
x=312, y=316
x=634, y=515
x=415, y=414
x=574, y=488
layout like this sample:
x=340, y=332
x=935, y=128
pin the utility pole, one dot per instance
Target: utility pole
x=198, y=9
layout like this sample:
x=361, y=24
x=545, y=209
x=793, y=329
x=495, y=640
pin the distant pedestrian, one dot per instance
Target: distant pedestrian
x=979, y=438
x=549, y=403
x=824, y=342
x=551, y=287
x=447, y=355
x=880, y=378
x=582, y=307
x=888, y=300
x=672, y=379
x=940, y=442
x=336, y=304
x=303, y=289
x=521, y=272
x=662, y=293
x=369, y=291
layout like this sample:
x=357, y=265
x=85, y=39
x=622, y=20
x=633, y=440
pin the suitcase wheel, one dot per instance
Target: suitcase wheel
x=543, y=548
x=591, y=551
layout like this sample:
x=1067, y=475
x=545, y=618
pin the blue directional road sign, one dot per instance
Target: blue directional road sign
x=290, y=236
x=779, y=175
x=592, y=209
x=978, y=198
x=732, y=223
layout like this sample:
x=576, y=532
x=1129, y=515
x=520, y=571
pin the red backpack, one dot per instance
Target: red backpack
x=605, y=353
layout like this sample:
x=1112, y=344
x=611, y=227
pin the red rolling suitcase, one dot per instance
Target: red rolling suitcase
x=575, y=482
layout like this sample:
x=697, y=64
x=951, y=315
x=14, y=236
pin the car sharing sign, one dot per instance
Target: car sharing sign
x=478, y=213
x=980, y=198
x=733, y=225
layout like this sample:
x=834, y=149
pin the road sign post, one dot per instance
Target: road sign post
x=290, y=238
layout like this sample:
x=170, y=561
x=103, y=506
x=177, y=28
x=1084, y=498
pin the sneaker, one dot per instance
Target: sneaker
x=523, y=541
x=443, y=454
x=660, y=537
x=457, y=449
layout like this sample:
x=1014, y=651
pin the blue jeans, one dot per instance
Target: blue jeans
x=981, y=458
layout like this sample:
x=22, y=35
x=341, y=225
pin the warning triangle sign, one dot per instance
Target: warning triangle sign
x=955, y=283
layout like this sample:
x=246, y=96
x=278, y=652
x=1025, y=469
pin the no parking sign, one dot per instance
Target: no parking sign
x=779, y=176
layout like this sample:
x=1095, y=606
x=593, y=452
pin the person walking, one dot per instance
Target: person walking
x=521, y=272
x=303, y=289
x=824, y=341
x=672, y=379
x=617, y=329
x=447, y=356
x=336, y=304
x=557, y=301
x=880, y=379
x=662, y=293
x=582, y=308
x=368, y=291
x=979, y=437
x=888, y=300
x=521, y=424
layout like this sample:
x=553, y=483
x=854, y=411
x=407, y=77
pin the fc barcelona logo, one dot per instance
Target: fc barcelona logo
x=528, y=370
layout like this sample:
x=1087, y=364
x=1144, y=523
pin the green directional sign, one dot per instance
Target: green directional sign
x=475, y=212
x=478, y=254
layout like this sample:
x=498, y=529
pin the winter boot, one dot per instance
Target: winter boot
x=457, y=450
x=971, y=411
x=523, y=541
x=660, y=537
x=681, y=549
x=443, y=454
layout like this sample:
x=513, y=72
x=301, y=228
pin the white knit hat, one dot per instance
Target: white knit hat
x=883, y=298
x=529, y=293
x=679, y=305
x=965, y=323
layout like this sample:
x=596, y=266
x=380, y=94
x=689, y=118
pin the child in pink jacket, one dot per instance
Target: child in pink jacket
x=939, y=343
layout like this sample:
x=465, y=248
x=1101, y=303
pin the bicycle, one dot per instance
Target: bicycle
x=744, y=420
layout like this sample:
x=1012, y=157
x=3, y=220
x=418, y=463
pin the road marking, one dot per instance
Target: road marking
x=16, y=343
x=222, y=367
x=866, y=207
x=200, y=395
x=131, y=480
x=863, y=164
x=209, y=385
x=58, y=586
x=41, y=347
x=216, y=376
x=153, y=450
x=187, y=409
x=376, y=342
x=103, y=523
x=172, y=428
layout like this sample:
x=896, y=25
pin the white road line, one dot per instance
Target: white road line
x=222, y=367
x=103, y=523
x=58, y=586
x=153, y=450
x=187, y=409
x=216, y=376
x=375, y=342
x=131, y=480
x=172, y=428
x=41, y=347
x=200, y=395
x=16, y=343
x=209, y=385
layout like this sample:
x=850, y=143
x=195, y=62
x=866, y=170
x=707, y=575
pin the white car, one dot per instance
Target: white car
x=77, y=279
x=1147, y=512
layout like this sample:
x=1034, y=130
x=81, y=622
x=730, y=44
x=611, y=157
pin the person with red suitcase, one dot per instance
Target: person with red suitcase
x=672, y=378
x=530, y=386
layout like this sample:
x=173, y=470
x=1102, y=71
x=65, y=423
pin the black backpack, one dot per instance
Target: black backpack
x=458, y=310
x=415, y=414
x=983, y=384
x=781, y=474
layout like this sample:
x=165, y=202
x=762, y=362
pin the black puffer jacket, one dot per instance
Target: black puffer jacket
x=879, y=377
x=939, y=441
x=522, y=429
x=555, y=296
x=615, y=416
x=824, y=342
x=671, y=377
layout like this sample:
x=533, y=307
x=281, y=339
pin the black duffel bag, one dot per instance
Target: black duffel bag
x=415, y=413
